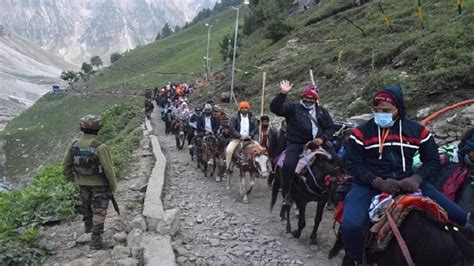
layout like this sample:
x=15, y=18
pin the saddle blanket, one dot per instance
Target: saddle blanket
x=306, y=159
x=399, y=207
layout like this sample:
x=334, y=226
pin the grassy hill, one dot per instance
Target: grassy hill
x=180, y=54
x=434, y=62
x=40, y=134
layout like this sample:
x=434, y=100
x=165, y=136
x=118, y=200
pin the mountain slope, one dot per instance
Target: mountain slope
x=177, y=57
x=77, y=29
x=433, y=63
x=26, y=72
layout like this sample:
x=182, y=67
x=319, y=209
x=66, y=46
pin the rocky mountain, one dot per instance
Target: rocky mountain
x=77, y=29
x=26, y=72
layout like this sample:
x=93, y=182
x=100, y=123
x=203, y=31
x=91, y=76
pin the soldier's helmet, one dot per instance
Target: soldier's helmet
x=90, y=122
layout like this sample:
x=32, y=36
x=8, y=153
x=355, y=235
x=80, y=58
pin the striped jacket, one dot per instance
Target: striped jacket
x=369, y=156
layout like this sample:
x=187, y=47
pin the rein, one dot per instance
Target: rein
x=401, y=242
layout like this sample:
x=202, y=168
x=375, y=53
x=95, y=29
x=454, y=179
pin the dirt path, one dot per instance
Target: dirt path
x=217, y=228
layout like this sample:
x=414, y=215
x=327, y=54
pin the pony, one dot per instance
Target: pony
x=253, y=159
x=306, y=188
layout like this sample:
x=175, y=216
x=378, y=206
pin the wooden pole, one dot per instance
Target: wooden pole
x=311, y=76
x=262, y=105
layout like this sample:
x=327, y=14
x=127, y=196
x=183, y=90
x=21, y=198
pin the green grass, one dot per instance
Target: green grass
x=182, y=52
x=41, y=134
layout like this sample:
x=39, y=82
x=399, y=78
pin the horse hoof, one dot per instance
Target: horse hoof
x=296, y=234
x=313, y=242
x=227, y=187
x=245, y=200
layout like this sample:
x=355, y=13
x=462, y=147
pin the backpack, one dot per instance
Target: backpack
x=85, y=162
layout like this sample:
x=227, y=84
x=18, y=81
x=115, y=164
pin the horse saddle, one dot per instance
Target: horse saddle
x=398, y=207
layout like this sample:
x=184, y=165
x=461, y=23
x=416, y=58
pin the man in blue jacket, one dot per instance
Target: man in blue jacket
x=306, y=121
x=380, y=157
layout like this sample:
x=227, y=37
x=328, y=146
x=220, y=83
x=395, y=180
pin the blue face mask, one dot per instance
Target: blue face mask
x=383, y=120
x=467, y=160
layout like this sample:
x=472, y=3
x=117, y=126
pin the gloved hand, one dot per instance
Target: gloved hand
x=411, y=184
x=386, y=185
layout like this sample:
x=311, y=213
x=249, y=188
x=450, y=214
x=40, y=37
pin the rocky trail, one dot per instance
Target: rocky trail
x=217, y=228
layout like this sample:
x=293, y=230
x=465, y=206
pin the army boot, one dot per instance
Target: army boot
x=96, y=241
x=88, y=226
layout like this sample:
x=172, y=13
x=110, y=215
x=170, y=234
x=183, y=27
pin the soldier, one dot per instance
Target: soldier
x=88, y=163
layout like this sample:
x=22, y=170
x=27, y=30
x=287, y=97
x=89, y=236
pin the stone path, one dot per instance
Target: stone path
x=217, y=228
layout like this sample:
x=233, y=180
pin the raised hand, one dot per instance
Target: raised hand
x=285, y=86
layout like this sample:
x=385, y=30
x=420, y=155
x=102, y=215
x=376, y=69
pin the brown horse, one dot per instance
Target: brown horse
x=210, y=153
x=179, y=129
x=253, y=160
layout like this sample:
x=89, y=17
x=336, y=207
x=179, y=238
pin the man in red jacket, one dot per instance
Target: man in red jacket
x=380, y=158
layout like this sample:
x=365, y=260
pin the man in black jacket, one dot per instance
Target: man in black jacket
x=380, y=159
x=307, y=121
x=244, y=126
x=207, y=122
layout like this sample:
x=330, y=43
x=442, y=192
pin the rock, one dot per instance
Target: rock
x=199, y=219
x=47, y=244
x=128, y=262
x=170, y=224
x=452, y=134
x=285, y=257
x=84, y=238
x=138, y=223
x=181, y=260
x=70, y=245
x=120, y=237
x=214, y=242
x=81, y=262
x=120, y=252
x=135, y=242
x=117, y=224
x=182, y=251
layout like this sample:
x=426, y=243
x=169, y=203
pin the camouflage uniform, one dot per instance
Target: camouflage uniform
x=88, y=164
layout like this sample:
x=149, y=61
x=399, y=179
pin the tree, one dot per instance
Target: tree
x=70, y=77
x=177, y=28
x=225, y=47
x=86, y=68
x=158, y=36
x=115, y=56
x=96, y=61
x=166, y=31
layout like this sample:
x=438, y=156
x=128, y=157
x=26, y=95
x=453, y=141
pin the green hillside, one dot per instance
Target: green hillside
x=434, y=62
x=40, y=134
x=181, y=53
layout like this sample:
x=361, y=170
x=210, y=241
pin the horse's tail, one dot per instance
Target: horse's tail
x=275, y=188
x=338, y=246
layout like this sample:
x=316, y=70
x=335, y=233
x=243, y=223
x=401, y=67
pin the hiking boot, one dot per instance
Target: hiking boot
x=96, y=241
x=88, y=226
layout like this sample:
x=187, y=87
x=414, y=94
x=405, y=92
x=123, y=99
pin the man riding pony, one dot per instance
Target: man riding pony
x=244, y=126
x=306, y=121
x=380, y=157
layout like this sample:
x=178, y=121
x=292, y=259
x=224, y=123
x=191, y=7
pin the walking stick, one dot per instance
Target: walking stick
x=262, y=105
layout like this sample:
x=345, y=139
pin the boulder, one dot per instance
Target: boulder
x=120, y=252
x=170, y=224
x=138, y=223
x=128, y=262
x=135, y=243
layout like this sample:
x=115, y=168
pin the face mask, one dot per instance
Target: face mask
x=467, y=160
x=244, y=112
x=383, y=120
x=208, y=113
x=307, y=104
